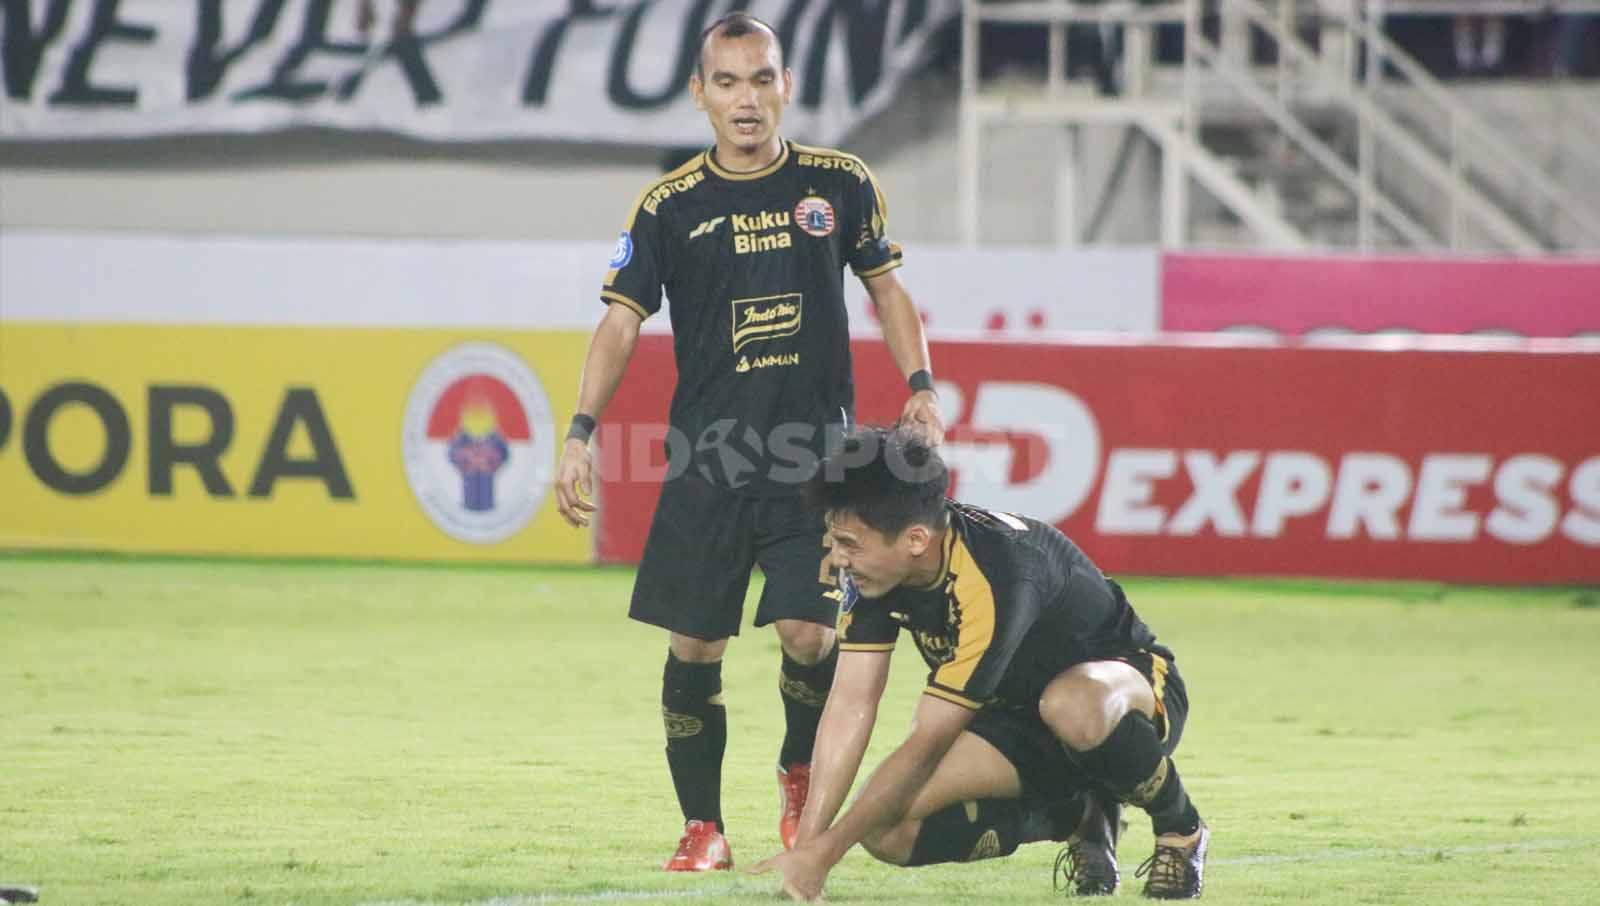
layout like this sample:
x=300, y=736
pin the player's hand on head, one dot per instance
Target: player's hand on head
x=921, y=414
x=575, y=483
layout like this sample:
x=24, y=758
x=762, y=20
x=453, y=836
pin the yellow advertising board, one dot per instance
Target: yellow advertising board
x=434, y=444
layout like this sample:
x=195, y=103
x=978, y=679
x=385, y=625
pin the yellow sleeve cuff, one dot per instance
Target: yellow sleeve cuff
x=609, y=296
x=880, y=269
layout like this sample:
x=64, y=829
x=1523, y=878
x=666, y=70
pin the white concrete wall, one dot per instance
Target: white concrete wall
x=374, y=185
x=330, y=183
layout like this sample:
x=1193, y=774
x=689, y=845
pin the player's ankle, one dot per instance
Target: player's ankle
x=1183, y=841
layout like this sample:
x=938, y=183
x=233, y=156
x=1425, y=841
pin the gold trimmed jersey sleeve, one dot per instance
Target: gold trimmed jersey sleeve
x=864, y=625
x=871, y=252
x=988, y=632
x=634, y=275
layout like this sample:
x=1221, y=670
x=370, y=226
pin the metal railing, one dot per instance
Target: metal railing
x=1354, y=66
x=1375, y=125
x=1467, y=133
x=1368, y=199
x=1382, y=8
x=1169, y=124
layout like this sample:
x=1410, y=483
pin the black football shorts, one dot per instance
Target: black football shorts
x=1020, y=734
x=703, y=542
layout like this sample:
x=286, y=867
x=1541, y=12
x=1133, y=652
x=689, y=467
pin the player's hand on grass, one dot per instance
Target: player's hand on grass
x=575, y=483
x=921, y=414
x=803, y=873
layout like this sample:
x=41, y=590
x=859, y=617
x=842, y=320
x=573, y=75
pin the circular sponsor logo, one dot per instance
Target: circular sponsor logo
x=478, y=443
x=814, y=215
x=623, y=253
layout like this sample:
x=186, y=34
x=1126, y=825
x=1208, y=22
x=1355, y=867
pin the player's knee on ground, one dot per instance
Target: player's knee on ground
x=965, y=832
x=806, y=643
x=893, y=845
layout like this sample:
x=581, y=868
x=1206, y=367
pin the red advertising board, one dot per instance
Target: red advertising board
x=1216, y=457
x=1546, y=297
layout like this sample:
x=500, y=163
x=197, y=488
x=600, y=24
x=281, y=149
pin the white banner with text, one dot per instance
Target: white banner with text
x=460, y=70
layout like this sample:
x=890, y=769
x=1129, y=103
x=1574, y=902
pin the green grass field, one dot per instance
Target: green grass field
x=192, y=732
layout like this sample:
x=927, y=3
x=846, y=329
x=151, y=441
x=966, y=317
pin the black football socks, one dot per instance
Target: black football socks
x=697, y=735
x=805, y=690
x=1132, y=764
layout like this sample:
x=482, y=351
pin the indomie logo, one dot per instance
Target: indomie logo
x=765, y=318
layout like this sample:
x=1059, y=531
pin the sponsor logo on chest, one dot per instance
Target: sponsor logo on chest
x=937, y=647
x=775, y=360
x=766, y=318
x=761, y=232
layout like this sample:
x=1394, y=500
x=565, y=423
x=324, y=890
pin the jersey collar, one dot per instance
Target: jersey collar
x=768, y=170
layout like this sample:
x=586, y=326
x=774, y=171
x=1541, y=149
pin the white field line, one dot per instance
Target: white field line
x=754, y=888
x=599, y=896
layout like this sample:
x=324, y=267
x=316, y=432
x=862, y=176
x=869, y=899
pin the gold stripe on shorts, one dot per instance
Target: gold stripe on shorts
x=1158, y=684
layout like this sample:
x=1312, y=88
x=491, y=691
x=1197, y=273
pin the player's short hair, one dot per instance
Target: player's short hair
x=889, y=478
x=734, y=25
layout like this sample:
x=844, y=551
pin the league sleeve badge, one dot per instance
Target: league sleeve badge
x=623, y=252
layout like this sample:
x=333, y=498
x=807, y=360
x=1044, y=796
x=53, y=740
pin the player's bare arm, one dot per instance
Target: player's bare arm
x=842, y=736
x=885, y=799
x=609, y=351
x=902, y=332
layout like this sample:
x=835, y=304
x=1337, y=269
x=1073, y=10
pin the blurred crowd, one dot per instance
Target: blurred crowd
x=1531, y=45
x=1452, y=44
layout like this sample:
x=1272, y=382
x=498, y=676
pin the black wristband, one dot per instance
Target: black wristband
x=582, y=427
x=920, y=380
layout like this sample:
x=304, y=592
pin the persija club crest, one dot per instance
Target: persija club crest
x=814, y=215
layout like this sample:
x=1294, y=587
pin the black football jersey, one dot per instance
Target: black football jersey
x=1013, y=594
x=752, y=265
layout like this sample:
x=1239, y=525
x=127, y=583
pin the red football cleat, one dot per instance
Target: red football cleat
x=702, y=848
x=793, y=785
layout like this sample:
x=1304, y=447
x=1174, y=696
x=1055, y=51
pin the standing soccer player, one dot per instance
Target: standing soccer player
x=749, y=240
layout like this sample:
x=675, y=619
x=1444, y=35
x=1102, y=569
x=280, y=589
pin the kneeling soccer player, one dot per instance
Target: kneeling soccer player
x=1048, y=703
